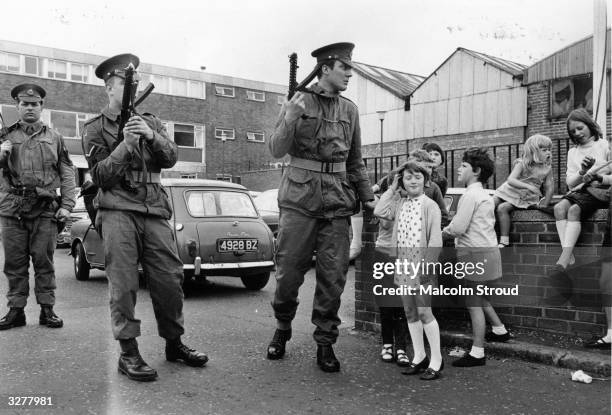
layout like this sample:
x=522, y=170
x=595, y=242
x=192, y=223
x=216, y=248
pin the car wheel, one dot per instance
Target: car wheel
x=256, y=281
x=81, y=266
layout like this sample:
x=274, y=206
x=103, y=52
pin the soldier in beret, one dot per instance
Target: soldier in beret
x=133, y=216
x=34, y=163
x=319, y=191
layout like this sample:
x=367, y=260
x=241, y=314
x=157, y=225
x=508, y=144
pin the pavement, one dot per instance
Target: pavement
x=77, y=364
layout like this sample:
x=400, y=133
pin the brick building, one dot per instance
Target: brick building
x=197, y=108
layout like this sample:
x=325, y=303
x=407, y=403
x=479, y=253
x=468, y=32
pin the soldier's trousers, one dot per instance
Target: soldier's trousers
x=131, y=238
x=22, y=239
x=299, y=236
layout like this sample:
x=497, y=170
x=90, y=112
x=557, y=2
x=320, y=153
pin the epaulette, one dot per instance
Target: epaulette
x=13, y=127
x=92, y=119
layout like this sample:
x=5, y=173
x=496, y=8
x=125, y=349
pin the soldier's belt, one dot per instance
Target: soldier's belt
x=319, y=166
x=151, y=177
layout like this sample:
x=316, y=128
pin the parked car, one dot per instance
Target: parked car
x=217, y=229
x=267, y=206
x=78, y=212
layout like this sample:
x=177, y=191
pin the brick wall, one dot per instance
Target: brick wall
x=535, y=249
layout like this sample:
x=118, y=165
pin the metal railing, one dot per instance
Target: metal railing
x=503, y=154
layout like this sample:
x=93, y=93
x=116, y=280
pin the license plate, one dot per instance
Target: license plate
x=231, y=245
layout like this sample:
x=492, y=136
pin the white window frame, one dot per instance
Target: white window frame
x=219, y=133
x=38, y=65
x=4, y=57
x=189, y=176
x=224, y=177
x=251, y=136
x=51, y=62
x=174, y=82
x=76, y=120
x=85, y=68
x=194, y=134
x=252, y=96
x=221, y=90
x=191, y=86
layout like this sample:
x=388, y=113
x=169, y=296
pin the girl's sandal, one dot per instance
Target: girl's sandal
x=401, y=358
x=386, y=354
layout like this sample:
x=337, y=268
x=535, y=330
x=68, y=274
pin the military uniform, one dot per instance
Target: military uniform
x=133, y=216
x=319, y=191
x=37, y=165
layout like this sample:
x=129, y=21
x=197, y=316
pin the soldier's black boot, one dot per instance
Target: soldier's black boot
x=177, y=351
x=14, y=318
x=131, y=363
x=276, y=348
x=49, y=318
x=326, y=359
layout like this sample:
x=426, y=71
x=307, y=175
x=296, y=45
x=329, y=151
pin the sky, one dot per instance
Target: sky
x=252, y=39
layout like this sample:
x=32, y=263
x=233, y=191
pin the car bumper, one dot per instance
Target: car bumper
x=198, y=266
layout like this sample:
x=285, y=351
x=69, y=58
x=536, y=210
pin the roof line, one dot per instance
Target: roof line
x=389, y=69
x=380, y=83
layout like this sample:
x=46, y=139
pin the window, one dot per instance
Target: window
x=196, y=89
x=258, y=137
x=57, y=69
x=179, y=87
x=280, y=100
x=220, y=133
x=571, y=93
x=161, y=84
x=189, y=176
x=144, y=80
x=219, y=203
x=10, y=114
x=224, y=91
x=256, y=96
x=9, y=62
x=31, y=65
x=78, y=72
x=184, y=135
x=64, y=122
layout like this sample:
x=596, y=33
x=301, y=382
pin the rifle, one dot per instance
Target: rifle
x=293, y=66
x=128, y=102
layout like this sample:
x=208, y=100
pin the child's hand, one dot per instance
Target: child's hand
x=587, y=163
x=592, y=177
x=394, y=186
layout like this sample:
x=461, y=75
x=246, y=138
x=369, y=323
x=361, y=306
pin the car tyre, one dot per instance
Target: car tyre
x=81, y=266
x=256, y=282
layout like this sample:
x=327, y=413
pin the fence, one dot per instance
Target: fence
x=503, y=154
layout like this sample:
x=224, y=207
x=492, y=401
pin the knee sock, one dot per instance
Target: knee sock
x=572, y=232
x=499, y=330
x=505, y=240
x=561, y=224
x=418, y=344
x=432, y=331
x=477, y=352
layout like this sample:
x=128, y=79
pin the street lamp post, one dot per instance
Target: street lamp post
x=381, y=117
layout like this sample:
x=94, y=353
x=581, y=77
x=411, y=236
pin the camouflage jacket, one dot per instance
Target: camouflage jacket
x=38, y=161
x=111, y=165
x=328, y=131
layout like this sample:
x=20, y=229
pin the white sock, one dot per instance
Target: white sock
x=505, y=240
x=572, y=233
x=432, y=331
x=607, y=338
x=499, y=330
x=418, y=344
x=561, y=224
x=477, y=352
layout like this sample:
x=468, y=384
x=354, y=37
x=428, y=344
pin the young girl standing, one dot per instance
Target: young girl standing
x=522, y=189
x=415, y=232
x=587, y=195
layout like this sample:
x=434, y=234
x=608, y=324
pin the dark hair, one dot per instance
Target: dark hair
x=434, y=147
x=421, y=156
x=479, y=159
x=328, y=62
x=412, y=167
x=583, y=116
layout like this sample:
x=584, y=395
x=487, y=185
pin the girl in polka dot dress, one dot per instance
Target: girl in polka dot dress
x=417, y=236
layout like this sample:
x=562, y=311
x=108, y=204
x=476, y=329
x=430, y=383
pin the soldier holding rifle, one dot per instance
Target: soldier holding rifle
x=321, y=188
x=34, y=163
x=133, y=218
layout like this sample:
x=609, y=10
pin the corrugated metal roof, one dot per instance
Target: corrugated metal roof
x=399, y=83
x=574, y=59
x=516, y=69
x=513, y=68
